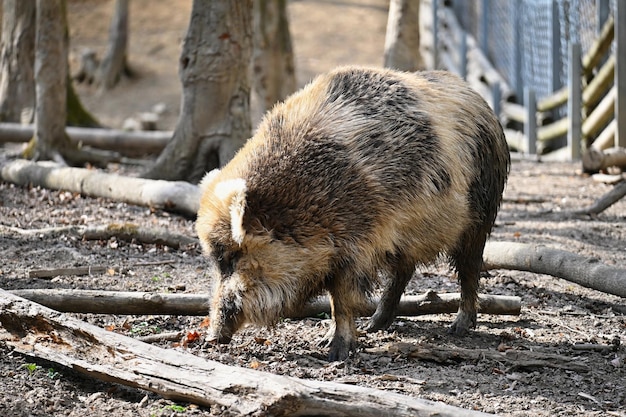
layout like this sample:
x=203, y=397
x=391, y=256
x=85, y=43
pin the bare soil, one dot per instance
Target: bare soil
x=556, y=315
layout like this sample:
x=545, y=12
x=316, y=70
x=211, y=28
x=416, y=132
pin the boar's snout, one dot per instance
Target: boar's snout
x=226, y=318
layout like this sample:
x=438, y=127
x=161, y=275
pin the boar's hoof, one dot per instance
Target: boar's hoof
x=219, y=339
x=379, y=321
x=463, y=323
x=340, y=349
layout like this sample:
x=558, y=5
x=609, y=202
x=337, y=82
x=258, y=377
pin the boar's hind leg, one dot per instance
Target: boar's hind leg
x=386, y=309
x=468, y=262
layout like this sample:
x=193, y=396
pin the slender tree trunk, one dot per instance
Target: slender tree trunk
x=402, y=40
x=273, y=69
x=51, y=78
x=214, y=71
x=17, y=82
x=114, y=62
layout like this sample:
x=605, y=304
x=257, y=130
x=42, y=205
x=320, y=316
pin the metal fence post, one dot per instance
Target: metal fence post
x=574, y=101
x=463, y=55
x=516, y=69
x=496, y=97
x=555, y=82
x=485, y=6
x=530, y=124
x=602, y=14
x=435, y=33
x=620, y=73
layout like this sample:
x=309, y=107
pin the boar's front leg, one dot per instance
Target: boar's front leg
x=341, y=336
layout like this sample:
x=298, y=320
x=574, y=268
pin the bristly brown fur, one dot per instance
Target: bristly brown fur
x=362, y=171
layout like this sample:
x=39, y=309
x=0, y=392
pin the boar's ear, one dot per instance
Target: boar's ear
x=233, y=193
x=206, y=180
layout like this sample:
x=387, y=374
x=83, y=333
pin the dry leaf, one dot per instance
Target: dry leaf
x=260, y=340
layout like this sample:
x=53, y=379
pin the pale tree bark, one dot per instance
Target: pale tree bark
x=114, y=63
x=214, y=71
x=51, y=48
x=273, y=69
x=17, y=82
x=53, y=91
x=402, y=40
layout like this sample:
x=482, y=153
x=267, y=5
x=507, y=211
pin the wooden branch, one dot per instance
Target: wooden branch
x=606, y=138
x=77, y=270
x=595, y=160
x=601, y=115
x=123, y=142
x=587, y=272
x=553, y=130
x=617, y=193
x=177, y=196
x=600, y=47
x=86, y=270
x=122, y=231
x=143, y=303
x=594, y=91
x=515, y=359
x=37, y=331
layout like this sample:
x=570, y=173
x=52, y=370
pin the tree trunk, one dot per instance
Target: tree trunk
x=114, y=62
x=214, y=70
x=17, y=82
x=273, y=69
x=402, y=40
x=51, y=78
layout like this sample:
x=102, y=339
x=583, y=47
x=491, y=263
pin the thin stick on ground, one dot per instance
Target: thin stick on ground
x=607, y=200
x=123, y=231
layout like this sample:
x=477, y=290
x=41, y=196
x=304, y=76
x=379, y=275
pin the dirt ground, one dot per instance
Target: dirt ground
x=556, y=315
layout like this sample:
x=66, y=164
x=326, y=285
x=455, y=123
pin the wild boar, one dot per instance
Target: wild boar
x=347, y=186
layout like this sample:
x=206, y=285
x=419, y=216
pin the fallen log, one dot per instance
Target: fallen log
x=124, y=142
x=122, y=231
x=39, y=332
x=176, y=196
x=595, y=160
x=588, y=272
x=144, y=303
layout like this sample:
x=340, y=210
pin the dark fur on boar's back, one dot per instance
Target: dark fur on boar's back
x=363, y=173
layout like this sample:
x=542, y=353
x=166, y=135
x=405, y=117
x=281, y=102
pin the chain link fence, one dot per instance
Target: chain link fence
x=527, y=41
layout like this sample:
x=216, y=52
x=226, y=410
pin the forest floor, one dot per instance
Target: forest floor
x=556, y=315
